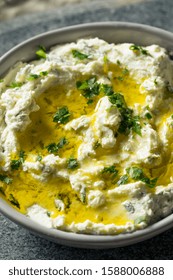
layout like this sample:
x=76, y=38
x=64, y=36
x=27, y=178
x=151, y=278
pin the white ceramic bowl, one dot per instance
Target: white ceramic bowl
x=112, y=32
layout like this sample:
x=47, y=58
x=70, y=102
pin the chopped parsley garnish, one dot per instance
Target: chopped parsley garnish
x=105, y=59
x=39, y=158
x=90, y=101
x=33, y=77
x=62, y=115
x=137, y=174
x=72, y=163
x=66, y=200
x=131, y=122
x=54, y=148
x=5, y=179
x=155, y=81
x=22, y=156
x=148, y=116
x=96, y=145
x=1, y=80
x=110, y=170
x=89, y=88
x=48, y=213
x=79, y=55
x=118, y=62
x=118, y=100
x=15, y=85
x=128, y=121
x=120, y=78
x=107, y=89
x=43, y=73
x=125, y=71
x=41, y=52
x=139, y=49
x=150, y=182
x=16, y=163
x=14, y=201
x=123, y=180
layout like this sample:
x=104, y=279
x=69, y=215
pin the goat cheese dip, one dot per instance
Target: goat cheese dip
x=86, y=137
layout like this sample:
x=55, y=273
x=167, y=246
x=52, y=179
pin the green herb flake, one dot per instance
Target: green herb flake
x=33, y=77
x=62, y=115
x=66, y=200
x=22, y=156
x=123, y=180
x=5, y=179
x=151, y=183
x=63, y=141
x=79, y=55
x=128, y=121
x=14, y=201
x=43, y=73
x=139, y=49
x=54, y=148
x=118, y=62
x=134, y=123
x=15, y=85
x=120, y=78
x=90, y=101
x=155, y=81
x=72, y=163
x=89, y=88
x=148, y=116
x=137, y=174
x=96, y=145
x=39, y=158
x=41, y=52
x=105, y=59
x=110, y=170
x=1, y=80
x=16, y=163
x=107, y=89
x=125, y=71
x=48, y=213
x=118, y=100
x=67, y=203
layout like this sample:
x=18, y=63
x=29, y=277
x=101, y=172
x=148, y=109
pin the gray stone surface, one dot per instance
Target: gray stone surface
x=16, y=242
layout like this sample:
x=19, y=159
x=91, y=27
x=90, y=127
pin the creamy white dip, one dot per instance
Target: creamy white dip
x=86, y=137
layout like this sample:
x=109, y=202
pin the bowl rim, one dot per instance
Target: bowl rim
x=80, y=239
x=84, y=26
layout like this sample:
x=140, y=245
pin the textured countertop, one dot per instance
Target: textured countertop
x=16, y=242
